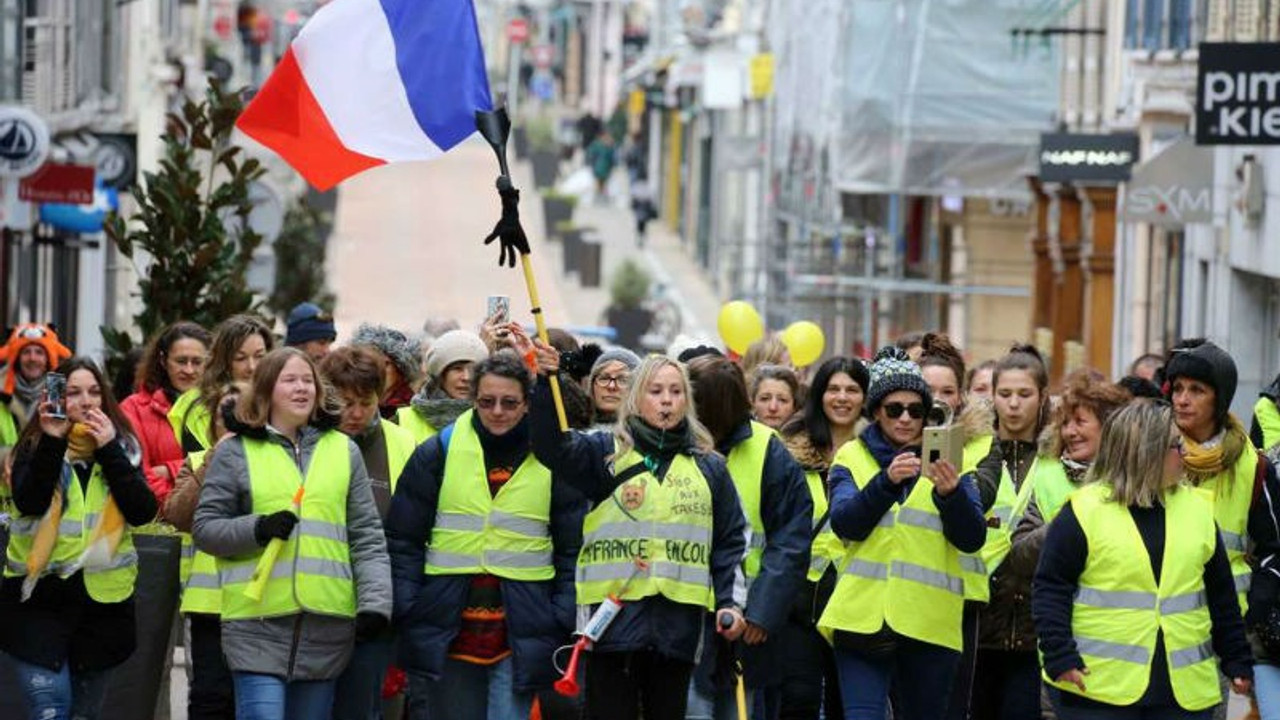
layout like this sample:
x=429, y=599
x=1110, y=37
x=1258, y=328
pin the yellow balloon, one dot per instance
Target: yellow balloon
x=739, y=325
x=805, y=342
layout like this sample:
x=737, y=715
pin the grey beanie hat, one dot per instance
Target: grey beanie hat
x=403, y=351
x=891, y=371
x=453, y=347
x=619, y=354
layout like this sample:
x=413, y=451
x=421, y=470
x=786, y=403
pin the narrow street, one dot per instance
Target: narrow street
x=408, y=245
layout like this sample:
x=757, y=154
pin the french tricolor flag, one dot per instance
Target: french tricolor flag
x=370, y=82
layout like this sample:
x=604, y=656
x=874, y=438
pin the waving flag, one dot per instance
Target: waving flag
x=370, y=82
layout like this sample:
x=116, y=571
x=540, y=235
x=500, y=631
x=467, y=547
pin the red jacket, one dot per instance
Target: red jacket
x=148, y=412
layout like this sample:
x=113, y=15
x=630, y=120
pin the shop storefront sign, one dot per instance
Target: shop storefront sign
x=1071, y=157
x=1238, y=94
x=1172, y=189
x=24, y=141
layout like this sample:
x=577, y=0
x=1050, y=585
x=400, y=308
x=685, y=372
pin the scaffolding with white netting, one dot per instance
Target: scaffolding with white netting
x=883, y=101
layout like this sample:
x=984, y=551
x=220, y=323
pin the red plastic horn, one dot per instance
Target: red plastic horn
x=567, y=685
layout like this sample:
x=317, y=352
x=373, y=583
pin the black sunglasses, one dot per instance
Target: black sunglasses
x=894, y=410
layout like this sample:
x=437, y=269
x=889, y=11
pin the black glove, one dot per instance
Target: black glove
x=276, y=525
x=369, y=625
x=508, y=231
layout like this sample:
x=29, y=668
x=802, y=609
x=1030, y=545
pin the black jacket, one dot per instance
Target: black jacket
x=581, y=460
x=428, y=608
x=60, y=623
x=1062, y=561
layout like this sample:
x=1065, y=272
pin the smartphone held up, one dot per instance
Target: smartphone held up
x=55, y=392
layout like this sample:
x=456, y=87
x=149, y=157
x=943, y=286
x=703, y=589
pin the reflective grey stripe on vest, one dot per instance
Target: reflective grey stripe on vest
x=29, y=526
x=514, y=559
x=973, y=564
x=326, y=568
x=188, y=550
x=203, y=581
x=818, y=563
x=518, y=525
x=1115, y=599
x=1113, y=651
x=120, y=560
x=1183, y=603
x=886, y=521
x=920, y=519
x=1233, y=541
x=451, y=560
x=869, y=570
x=757, y=541
x=244, y=573
x=1192, y=655
x=660, y=531
x=925, y=576
x=322, y=529
x=459, y=521
x=612, y=572
x=91, y=519
x=1243, y=582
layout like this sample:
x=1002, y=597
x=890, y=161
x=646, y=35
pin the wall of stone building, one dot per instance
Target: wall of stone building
x=997, y=254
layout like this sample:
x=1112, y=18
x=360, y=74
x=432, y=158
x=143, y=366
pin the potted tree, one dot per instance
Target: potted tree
x=557, y=208
x=542, y=152
x=628, y=290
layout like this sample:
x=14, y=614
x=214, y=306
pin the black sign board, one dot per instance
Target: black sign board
x=1238, y=94
x=1069, y=157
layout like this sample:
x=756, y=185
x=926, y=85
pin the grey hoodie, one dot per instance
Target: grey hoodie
x=304, y=646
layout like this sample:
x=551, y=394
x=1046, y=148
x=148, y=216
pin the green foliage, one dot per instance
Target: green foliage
x=191, y=228
x=300, y=254
x=541, y=133
x=629, y=286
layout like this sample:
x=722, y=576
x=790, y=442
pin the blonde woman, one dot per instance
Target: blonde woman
x=667, y=537
x=1133, y=599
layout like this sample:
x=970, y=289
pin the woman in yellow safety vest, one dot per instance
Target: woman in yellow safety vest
x=239, y=344
x=302, y=561
x=355, y=376
x=1006, y=683
x=483, y=546
x=667, y=538
x=66, y=602
x=779, y=509
x=897, y=610
x=832, y=417
x=1133, y=599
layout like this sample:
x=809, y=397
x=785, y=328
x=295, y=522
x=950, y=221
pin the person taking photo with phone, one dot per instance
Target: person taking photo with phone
x=67, y=593
x=897, y=608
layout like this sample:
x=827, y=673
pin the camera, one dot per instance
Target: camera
x=942, y=439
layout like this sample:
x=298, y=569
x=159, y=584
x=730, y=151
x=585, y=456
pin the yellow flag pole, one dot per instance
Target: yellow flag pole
x=532, y=285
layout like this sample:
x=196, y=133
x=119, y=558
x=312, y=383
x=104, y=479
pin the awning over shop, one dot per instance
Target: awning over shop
x=1173, y=188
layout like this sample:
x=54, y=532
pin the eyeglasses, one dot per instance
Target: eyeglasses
x=507, y=403
x=618, y=381
x=894, y=410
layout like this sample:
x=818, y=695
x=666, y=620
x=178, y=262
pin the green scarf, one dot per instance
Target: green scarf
x=659, y=447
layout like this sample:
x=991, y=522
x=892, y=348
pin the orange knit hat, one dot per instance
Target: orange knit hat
x=30, y=334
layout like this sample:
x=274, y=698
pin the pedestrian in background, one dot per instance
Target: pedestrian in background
x=68, y=615
x=897, y=610
x=401, y=359
x=775, y=394
x=446, y=394
x=311, y=330
x=602, y=157
x=1133, y=599
x=655, y=482
x=173, y=364
x=609, y=383
x=331, y=582
x=239, y=344
x=1265, y=431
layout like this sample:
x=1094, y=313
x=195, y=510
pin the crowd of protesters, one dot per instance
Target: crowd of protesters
x=398, y=526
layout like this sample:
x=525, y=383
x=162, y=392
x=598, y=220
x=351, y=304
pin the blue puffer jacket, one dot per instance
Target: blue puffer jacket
x=428, y=608
x=654, y=623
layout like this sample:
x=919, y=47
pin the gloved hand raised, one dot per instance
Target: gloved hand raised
x=276, y=525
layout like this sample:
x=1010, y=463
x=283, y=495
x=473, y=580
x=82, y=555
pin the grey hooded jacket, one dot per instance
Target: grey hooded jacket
x=305, y=646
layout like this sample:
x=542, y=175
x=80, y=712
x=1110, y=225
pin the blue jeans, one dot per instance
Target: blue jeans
x=60, y=695
x=921, y=673
x=358, y=695
x=466, y=691
x=1266, y=686
x=268, y=697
